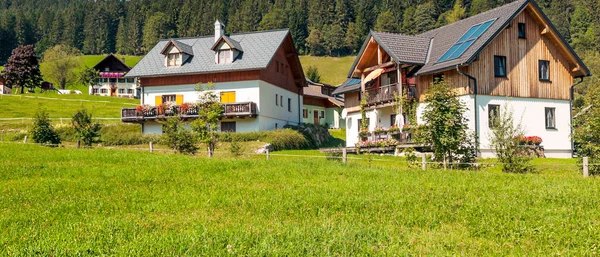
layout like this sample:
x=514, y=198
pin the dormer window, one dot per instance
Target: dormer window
x=225, y=56
x=172, y=60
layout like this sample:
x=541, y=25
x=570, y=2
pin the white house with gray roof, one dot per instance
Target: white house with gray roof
x=257, y=75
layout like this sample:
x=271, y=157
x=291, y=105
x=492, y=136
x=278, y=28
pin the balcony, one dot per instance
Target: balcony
x=382, y=95
x=230, y=110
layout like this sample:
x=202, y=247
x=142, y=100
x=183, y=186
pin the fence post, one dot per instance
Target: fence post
x=268, y=154
x=586, y=167
x=78, y=143
x=345, y=155
x=423, y=161
x=25, y=140
x=151, y=147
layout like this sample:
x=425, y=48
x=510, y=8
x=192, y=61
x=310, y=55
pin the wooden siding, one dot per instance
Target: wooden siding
x=522, y=58
x=201, y=78
x=283, y=76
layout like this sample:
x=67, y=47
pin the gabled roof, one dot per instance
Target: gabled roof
x=424, y=50
x=182, y=47
x=315, y=90
x=259, y=49
x=402, y=48
x=113, y=63
x=234, y=44
x=444, y=37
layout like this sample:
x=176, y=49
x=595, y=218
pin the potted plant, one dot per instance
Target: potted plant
x=380, y=131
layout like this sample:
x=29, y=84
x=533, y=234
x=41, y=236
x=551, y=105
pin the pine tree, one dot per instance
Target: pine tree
x=478, y=6
x=123, y=46
x=156, y=28
x=352, y=39
x=314, y=42
x=424, y=17
x=298, y=28
x=408, y=21
x=386, y=22
x=333, y=37
x=274, y=19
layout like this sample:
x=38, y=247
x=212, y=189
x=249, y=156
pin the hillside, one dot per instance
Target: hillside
x=62, y=106
x=92, y=60
x=333, y=70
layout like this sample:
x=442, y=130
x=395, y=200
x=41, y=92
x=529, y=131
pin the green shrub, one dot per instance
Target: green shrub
x=126, y=134
x=235, y=148
x=42, y=131
x=281, y=139
x=178, y=137
x=87, y=130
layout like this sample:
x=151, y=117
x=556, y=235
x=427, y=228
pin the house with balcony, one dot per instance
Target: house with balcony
x=112, y=81
x=257, y=76
x=321, y=107
x=509, y=58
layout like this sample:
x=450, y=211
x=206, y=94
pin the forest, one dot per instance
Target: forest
x=319, y=27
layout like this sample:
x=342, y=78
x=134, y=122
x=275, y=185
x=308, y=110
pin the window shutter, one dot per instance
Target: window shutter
x=179, y=99
x=158, y=100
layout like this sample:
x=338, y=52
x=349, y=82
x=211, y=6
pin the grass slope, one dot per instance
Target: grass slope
x=109, y=202
x=25, y=106
x=333, y=70
x=92, y=60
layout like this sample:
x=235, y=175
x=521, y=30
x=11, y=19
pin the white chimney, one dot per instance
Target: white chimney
x=219, y=30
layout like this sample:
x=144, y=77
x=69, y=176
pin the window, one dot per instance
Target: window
x=130, y=91
x=289, y=105
x=121, y=80
x=392, y=119
x=121, y=91
x=544, y=67
x=277, y=66
x=129, y=81
x=112, y=80
x=500, y=66
x=493, y=115
x=103, y=91
x=281, y=100
x=466, y=41
x=322, y=114
x=225, y=56
x=107, y=69
x=227, y=126
x=550, y=118
x=411, y=92
x=276, y=100
x=172, y=60
x=95, y=91
x=305, y=113
x=276, y=126
x=169, y=98
x=522, y=30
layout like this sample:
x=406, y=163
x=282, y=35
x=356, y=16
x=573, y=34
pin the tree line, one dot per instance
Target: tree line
x=318, y=27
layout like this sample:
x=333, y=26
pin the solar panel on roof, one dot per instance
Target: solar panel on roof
x=464, y=42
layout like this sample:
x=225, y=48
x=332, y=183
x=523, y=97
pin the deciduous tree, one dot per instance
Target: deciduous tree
x=207, y=124
x=59, y=64
x=22, y=69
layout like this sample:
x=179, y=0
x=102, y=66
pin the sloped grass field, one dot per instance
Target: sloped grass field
x=108, y=202
x=62, y=106
x=333, y=70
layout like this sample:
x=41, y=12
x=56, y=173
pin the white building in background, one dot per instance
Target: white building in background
x=507, y=59
x=257, y=76
x=112, y=81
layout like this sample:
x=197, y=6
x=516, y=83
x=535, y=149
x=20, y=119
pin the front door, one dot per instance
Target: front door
x=316, y=117
x=113, y=91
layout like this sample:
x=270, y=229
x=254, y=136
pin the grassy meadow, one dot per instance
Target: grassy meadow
x=333, y=70
x=57, y=201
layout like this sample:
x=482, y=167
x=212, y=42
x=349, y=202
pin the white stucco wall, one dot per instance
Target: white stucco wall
x=106, y=85
x=259, y=92
x=530, y=112
x=352, y=128
x=272, y=114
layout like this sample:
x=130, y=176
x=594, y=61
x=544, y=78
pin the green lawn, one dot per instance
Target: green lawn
x=62, y=106
x=92, y=60
x=109, y=202
x=333, y=70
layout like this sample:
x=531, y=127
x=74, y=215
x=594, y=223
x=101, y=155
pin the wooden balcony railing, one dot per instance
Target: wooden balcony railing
x=383, y=94
x=230, y=110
